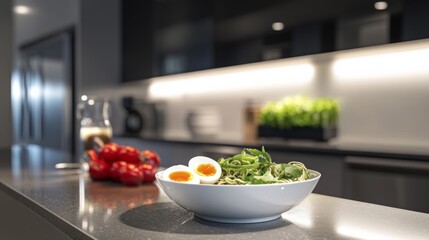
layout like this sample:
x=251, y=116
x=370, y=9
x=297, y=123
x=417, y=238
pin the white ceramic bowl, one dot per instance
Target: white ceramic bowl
x=238, y=203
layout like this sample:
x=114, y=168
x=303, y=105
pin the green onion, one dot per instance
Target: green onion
x=254, y=166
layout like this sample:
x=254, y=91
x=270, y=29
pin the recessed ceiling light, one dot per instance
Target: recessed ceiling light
x=381, y=5
x=21, y=9
x=278, y=26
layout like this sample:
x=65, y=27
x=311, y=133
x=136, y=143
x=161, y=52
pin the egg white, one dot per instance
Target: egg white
x=194, y=179
x=196, y=161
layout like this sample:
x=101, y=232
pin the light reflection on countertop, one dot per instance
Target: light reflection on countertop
x=86, y=209
x=347, y=219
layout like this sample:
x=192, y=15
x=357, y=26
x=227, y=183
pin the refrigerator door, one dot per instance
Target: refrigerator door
x=43, y=107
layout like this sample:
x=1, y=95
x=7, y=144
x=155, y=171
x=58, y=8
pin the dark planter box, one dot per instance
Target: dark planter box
x=310, y=133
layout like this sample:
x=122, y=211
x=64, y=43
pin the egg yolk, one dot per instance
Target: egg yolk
x=206, y=169
x=180, y=176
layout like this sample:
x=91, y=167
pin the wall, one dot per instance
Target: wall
x=100, y=34
x=6, y=44
x=383, y=92
x=45, y=18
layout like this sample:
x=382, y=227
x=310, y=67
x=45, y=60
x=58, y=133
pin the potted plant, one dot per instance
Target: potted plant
x=300, y=117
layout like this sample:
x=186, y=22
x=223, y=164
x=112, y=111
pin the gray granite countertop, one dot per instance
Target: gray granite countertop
x=335, y=147
x=84, y=209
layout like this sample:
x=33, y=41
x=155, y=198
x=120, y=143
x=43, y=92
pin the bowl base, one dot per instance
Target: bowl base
x=237, y=220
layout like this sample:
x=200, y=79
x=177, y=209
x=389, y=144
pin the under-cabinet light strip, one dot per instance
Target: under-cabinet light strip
x=218, y=81
x=382, y=65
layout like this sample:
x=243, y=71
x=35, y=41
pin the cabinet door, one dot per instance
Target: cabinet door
x=330, y=166
x=19, y=222
x=393, y=182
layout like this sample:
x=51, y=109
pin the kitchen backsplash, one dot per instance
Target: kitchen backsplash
x=383, y=93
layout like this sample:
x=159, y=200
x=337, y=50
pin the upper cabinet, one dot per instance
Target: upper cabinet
x=162, y=37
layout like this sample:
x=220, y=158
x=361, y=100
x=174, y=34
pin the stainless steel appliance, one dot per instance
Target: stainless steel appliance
x=42, y=93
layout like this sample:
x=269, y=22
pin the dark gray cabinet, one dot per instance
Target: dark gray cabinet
x=162, y=37
x=19, y=222
x=401, y=183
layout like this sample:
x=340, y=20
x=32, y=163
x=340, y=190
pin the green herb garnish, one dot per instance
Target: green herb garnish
x=253, y=166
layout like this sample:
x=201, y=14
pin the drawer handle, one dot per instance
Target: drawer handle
x=388, y=163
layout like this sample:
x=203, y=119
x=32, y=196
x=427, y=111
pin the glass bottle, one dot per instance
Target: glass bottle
x=95, y=127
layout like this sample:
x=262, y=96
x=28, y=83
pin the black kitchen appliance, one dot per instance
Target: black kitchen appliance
x=134, y=119
x=142, y=116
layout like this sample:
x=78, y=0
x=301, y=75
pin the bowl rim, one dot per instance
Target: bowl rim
x=159, y=178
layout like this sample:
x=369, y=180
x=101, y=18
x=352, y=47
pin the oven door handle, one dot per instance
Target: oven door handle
x=410, y=166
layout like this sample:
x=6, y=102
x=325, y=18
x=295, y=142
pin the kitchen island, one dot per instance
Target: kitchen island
x=68, y=201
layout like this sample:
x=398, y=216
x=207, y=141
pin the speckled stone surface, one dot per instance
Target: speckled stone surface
x=335, y=147
x=84, y=209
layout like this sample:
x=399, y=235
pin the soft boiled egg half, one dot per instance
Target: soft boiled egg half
x=182, y=174
x=208, y=170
